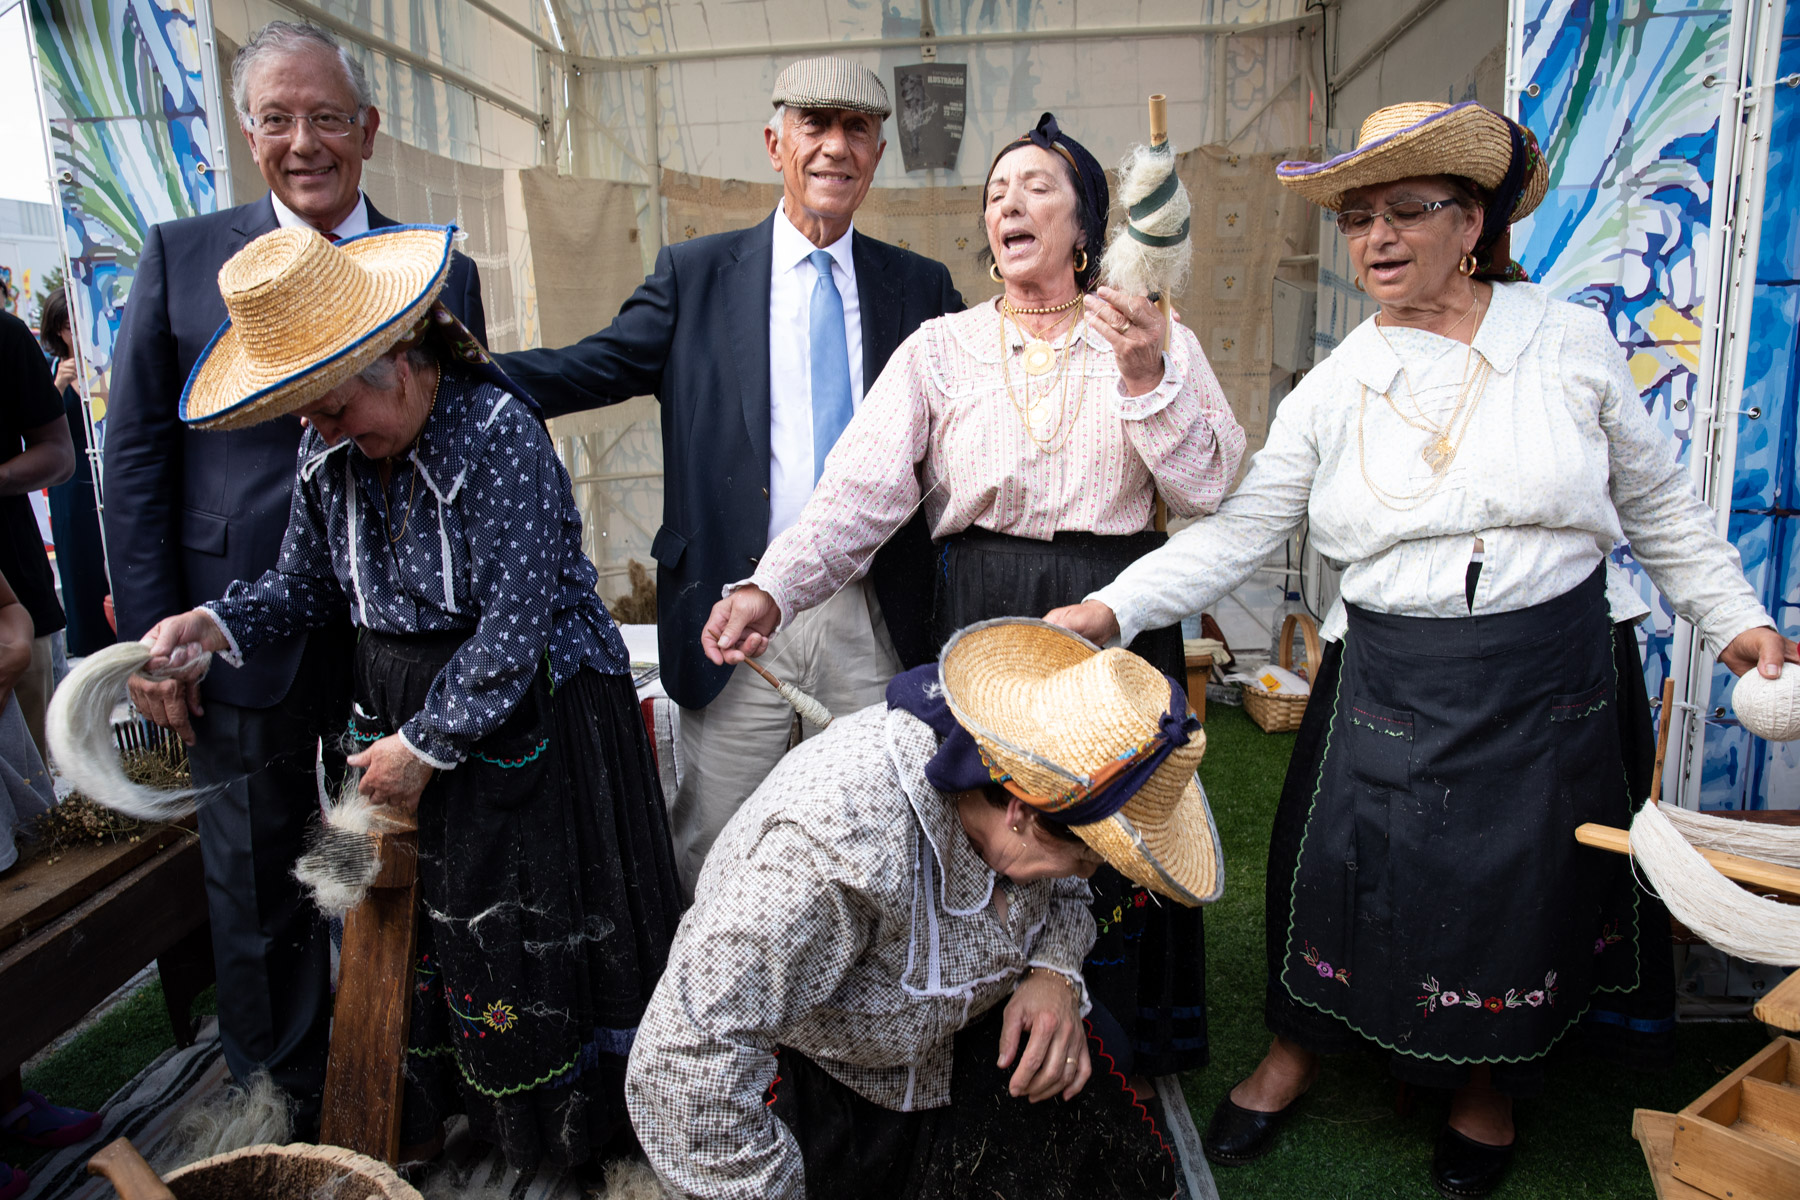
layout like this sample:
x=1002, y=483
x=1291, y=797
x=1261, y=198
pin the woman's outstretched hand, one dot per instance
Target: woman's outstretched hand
x=1091, y=619
x=1055, y=1060
x=1759, y=649
x=392, y=774
x=740, y=625
x=174, y=700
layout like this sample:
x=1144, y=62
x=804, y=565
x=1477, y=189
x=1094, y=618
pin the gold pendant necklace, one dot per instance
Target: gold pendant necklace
x=1039, y=359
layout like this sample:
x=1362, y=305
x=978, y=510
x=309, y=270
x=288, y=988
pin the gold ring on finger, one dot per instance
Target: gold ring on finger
x=1068, y=1062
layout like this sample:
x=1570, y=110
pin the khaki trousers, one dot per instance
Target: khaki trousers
x=838, y=653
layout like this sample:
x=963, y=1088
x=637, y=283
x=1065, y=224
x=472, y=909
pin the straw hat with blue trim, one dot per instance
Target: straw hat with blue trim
x=1090, y=739
x=1403, y=141
x=307, y=314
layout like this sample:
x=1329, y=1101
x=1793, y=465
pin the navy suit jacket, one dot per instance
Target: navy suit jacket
x=696, y=336
x=188, y=511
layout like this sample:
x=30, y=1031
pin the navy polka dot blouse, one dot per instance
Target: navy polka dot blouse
x=486, y=539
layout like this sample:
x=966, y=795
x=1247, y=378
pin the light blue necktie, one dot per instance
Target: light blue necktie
x=832, y=408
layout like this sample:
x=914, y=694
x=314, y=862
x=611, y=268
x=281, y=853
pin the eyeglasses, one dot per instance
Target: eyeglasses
x=279, y=126
x=1354, y=222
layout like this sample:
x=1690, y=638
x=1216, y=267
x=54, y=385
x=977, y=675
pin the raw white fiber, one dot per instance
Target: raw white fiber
x=1128, y=264
x=810, y=710
x=1736, y=921
x=1752, y=839
x=1769, y=708
x=340, y=862
x=256, y=1114
x=79, y=730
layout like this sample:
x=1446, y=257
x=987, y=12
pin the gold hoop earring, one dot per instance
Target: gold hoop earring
x=1080, y=260
x=1357, y=280
x=1467, y=264
x=994, y=273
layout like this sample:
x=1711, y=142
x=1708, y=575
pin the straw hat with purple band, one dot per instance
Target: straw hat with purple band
x=1402, y=141
x=831, y=83
x=307, y=314
x=1098, y=740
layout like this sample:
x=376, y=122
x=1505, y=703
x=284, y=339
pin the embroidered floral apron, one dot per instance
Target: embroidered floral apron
x=1441, y=905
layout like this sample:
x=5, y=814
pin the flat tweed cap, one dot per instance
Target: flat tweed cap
x=831, y=83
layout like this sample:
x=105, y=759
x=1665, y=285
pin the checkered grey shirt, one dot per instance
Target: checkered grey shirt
x=843, y=912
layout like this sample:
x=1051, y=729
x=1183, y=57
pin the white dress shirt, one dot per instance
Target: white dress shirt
x=357, y=222
x=1558, y=464
x=791, y=281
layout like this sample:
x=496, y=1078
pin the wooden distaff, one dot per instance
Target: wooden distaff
x=1159, y=136
x=372, y=1019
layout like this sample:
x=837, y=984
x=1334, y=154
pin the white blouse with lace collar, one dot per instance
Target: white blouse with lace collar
x=1559, y=463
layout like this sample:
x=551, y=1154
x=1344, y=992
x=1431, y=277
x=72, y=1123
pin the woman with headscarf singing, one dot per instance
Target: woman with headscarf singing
x=492, y=690
x=1472, y=454
x=1037, y=431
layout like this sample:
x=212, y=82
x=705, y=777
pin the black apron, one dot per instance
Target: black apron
x=1439, y=903
x=548, y=901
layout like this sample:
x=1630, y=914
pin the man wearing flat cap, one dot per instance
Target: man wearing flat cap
x=760, y=344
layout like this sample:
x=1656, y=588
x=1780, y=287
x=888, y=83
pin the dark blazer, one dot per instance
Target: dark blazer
x=187, y=511
x=696, y=336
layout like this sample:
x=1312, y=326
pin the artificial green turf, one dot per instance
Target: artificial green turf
x=103, y=1058
x=1346, y=1140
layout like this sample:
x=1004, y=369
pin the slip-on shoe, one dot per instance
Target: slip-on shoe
x=1463, y=1168
x=1238, y=1135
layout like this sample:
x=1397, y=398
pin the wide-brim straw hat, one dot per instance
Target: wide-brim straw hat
x=1403, y=141
x=1050, y=710
x=306, y=314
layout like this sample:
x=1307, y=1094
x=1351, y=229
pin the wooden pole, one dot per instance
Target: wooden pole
x=373, y=1016
x=1662, y=738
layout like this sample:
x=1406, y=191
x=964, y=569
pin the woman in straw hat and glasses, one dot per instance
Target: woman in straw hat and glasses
x=1472, y=454
x=1037, y=431
x=493, y=693
x=880, y=980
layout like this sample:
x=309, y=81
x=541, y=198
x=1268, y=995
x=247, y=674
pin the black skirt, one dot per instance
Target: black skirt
x=1426, y=895
x=1148, y=964
x=1104, y=1144
x=548, y=900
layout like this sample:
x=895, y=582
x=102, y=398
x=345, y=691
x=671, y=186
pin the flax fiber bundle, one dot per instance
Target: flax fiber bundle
x=78, y=727
x=1153, y=253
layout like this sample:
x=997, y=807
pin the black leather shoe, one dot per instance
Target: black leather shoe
x=1236, y=1135
x=1463, y=1168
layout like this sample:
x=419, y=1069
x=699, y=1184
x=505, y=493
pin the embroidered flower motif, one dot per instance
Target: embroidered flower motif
x=1317, y=962
x=1137, y=901
x=1609, y=934
x=500, y=1016
x=1436, y=996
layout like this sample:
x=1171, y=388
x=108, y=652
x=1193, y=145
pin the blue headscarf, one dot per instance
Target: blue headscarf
x=959, y=766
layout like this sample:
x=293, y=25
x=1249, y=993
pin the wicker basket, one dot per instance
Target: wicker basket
x=298, y=1171
x=1277, y=713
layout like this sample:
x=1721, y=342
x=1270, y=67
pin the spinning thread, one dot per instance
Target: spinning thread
x=1736, y=921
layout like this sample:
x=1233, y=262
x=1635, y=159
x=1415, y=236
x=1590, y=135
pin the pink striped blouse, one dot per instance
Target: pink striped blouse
x=940, y=420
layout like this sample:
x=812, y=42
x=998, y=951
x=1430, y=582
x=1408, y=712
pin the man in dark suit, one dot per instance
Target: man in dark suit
x=759, y=344
x=189, y=512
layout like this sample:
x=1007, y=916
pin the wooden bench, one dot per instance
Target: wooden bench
x=73, y=930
